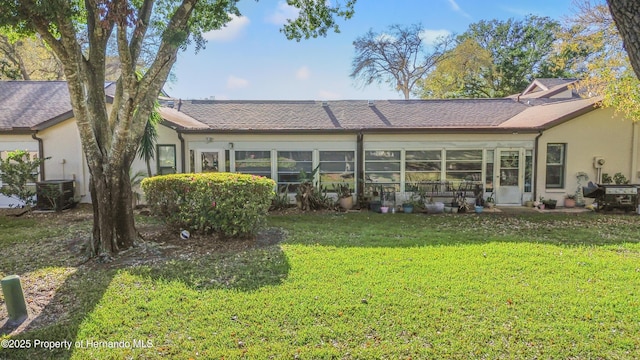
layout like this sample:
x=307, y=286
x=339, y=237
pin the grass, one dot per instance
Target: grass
x=357, y=286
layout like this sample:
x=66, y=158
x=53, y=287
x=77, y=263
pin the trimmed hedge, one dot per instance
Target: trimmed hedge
x=225, y=203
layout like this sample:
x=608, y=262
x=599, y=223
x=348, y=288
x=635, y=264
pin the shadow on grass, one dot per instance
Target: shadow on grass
x=369, y=229
x=72, y=300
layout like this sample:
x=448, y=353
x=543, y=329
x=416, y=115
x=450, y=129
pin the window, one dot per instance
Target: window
x=528, y=171
x=488, y=176
x=555, y=165
x=383, y=168
x=290, y=166
x=464, y=165
x=337, y=167
x=254, y=162
x=166, y=159
x=422, y=166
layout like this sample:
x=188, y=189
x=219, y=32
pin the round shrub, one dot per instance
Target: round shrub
x=224, y=203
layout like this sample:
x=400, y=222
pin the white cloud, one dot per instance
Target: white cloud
x=303, y=73
x=458, y=9
x=282, y=13
x=233, y=30
x=328, y=95
x=431, y=37
x=234, y=82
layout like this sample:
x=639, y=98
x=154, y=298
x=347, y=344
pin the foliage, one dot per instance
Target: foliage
x=27, y=58
x=606, y=72
x=80, y=34
x=229, y=204
x=620, y=179
x=506, y=57
x=397, y=57
x=16, y=172
x=281, y=199
x=147, y=147
x=343, y=190
x=309, y=195
x=458, y=75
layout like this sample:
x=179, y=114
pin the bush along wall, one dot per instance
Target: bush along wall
x=232, y=205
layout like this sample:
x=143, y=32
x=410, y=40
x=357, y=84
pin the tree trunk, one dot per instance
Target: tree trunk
x=113, y=221
x=626, y=14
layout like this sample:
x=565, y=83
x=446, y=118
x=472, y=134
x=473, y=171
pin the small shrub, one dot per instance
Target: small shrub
x=225, y=203
x=16, y=172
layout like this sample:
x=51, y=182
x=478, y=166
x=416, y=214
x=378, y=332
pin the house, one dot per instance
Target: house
x=517, y=148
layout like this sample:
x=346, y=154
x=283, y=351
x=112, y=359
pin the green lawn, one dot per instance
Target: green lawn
x=355, y=286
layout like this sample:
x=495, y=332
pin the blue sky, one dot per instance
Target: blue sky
x=251, y=60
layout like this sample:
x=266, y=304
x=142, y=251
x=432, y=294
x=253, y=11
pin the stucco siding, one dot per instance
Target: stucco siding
x=597, y=133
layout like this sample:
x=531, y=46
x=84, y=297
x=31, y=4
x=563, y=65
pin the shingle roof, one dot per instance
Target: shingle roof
x=348, y=114
x=497, y=114
x=24, y=104
x=38, y=104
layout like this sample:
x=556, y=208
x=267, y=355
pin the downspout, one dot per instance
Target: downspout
x=534, y=177
x=40, y=153
x=182, y=148
x=360, y=166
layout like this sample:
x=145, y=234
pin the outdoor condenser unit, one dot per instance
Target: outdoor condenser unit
x=55, y=194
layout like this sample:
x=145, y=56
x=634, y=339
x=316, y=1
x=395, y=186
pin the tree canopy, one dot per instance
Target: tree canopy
x=78, y=32
x=497, y=58
x=398, y=57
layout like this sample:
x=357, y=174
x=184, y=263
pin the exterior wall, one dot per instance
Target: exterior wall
x=597, y=133
x=67, y=162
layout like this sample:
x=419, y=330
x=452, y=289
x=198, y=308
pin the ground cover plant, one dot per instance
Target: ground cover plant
x=352, y=286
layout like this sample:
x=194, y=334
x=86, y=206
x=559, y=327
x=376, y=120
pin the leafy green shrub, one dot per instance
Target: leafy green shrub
x=225, y=203
x=16, y=172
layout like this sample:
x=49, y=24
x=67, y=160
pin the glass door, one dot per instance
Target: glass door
x=509, y=177
x=209, y=161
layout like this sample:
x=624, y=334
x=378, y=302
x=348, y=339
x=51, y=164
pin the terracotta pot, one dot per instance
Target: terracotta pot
x=569, y=203
x=346, y=202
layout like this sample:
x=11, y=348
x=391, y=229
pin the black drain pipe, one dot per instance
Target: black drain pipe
x=40, y=153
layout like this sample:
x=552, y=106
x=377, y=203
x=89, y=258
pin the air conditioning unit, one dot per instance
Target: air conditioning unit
x=55, y=194
x=598, y=162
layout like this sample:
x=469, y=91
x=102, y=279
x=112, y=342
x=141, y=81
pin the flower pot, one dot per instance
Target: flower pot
x=541, y=206
x=479, y=209
x=490, y=204
x=407, y=208
x=384, y=209
x=375, y=206
x=434, y=208
x=569, y=203
x=346, y=202
x=550, y=204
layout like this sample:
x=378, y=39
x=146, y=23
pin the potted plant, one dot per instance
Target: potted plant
x=490, y=202
x=570, y=201
x=345, y=196
x=550, y=204
x=539, y=204
x=433, y=207
x=411, y=204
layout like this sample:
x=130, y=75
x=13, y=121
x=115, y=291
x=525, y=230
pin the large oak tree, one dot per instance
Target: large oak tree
x=110, y=134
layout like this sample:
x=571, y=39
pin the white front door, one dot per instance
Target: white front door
x=509, y=177
x=209, y=160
